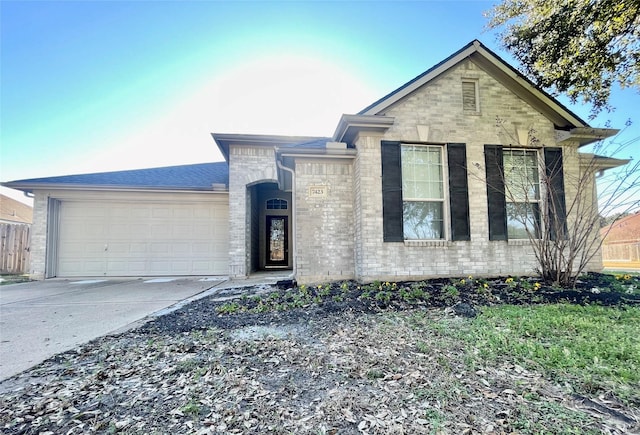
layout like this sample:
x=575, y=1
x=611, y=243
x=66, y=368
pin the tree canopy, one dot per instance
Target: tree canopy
x=578, y=47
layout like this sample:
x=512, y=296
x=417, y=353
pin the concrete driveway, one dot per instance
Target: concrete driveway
x=43, y=318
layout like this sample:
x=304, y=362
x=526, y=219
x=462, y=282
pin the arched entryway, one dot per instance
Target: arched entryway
x=271, y=227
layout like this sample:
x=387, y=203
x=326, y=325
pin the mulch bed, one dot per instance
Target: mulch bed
x=203, y=313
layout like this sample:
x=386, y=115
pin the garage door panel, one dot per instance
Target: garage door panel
x=118, y=248
x=181, y=267
x=182, y=231
x=161, y=212
x=83, y=231
x=132, y=268
x=203, y=213
x=142, y=239
x=160, y=231
x=96, y=210
x=138, y=248
x=90, y=267
x=183, y=213
x=204, y=231
x=201, y=248
x=141, y=230
x=181, y=249
x=158, y=248
x=120, y=231
x=137, y=212
x=81, y=249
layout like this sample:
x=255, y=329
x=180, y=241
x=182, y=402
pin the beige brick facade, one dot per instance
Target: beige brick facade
x=247, y=166
x=434, y=114
x=39, y=236
x=325, y=223
x=334, y=185
x=339, y=234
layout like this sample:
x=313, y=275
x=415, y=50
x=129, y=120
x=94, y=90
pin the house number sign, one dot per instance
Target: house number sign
x=318, y=191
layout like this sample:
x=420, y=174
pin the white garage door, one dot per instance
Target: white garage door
x=142, y=239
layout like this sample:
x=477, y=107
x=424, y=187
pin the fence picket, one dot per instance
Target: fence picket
x=15, y=247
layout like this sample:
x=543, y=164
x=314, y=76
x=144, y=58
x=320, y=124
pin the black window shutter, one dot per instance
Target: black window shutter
x=556, y=207
x=495, y=192
x=391, y=192
x=458, y=191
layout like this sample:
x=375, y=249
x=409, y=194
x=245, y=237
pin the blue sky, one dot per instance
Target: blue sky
x=90, y=86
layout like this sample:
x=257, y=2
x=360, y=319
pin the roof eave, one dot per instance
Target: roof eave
x=316, y=152
x=584, y=135
x=601, y=163
x=350, y=125
x=30, y=187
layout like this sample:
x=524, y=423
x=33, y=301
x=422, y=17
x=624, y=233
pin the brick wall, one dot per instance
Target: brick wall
x=434, y=114
x=325, y=223
x=247, y=165
x=39, y=236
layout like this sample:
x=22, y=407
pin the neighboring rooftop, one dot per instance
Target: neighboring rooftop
x=13, y=211
x=624, y=230
x=202, y=176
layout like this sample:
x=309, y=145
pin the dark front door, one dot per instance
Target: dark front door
x=277, y=241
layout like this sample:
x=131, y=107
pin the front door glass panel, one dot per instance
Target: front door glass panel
x=277, y=240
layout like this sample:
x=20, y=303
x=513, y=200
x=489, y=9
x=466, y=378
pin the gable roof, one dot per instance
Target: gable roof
x=494, y=65
x=15, y=211
x=201, y=177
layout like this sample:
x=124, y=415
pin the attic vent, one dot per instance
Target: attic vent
x=470, y=96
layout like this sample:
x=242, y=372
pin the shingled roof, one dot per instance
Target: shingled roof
x=625, y=230
x=202, y=176
x=15, y=211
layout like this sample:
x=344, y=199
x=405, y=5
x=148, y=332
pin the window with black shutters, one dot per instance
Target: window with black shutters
x=417, y=200
x=514, y=199
x=522, y=188
x=422, y=192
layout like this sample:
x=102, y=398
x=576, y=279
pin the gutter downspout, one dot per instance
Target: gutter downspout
x=293, y=215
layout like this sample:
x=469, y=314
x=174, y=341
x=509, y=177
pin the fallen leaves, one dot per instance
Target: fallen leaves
x=343, y=373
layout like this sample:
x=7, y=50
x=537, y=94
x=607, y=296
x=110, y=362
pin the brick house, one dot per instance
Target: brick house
x=412, y=186
x=621, y=243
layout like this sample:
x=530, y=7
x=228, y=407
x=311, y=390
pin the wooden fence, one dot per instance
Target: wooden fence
x=621, y=254
x=15, y=247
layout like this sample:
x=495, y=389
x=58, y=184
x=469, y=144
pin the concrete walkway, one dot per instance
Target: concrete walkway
x=42, y=318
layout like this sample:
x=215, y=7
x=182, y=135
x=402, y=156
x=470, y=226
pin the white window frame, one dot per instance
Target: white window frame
x=445, y=190
x=526, y=200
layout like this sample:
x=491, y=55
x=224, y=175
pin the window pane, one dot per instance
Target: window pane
x=422, y=220
x=422, y=172
x=277, y=204
x=522, y=217
x=522, y=181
